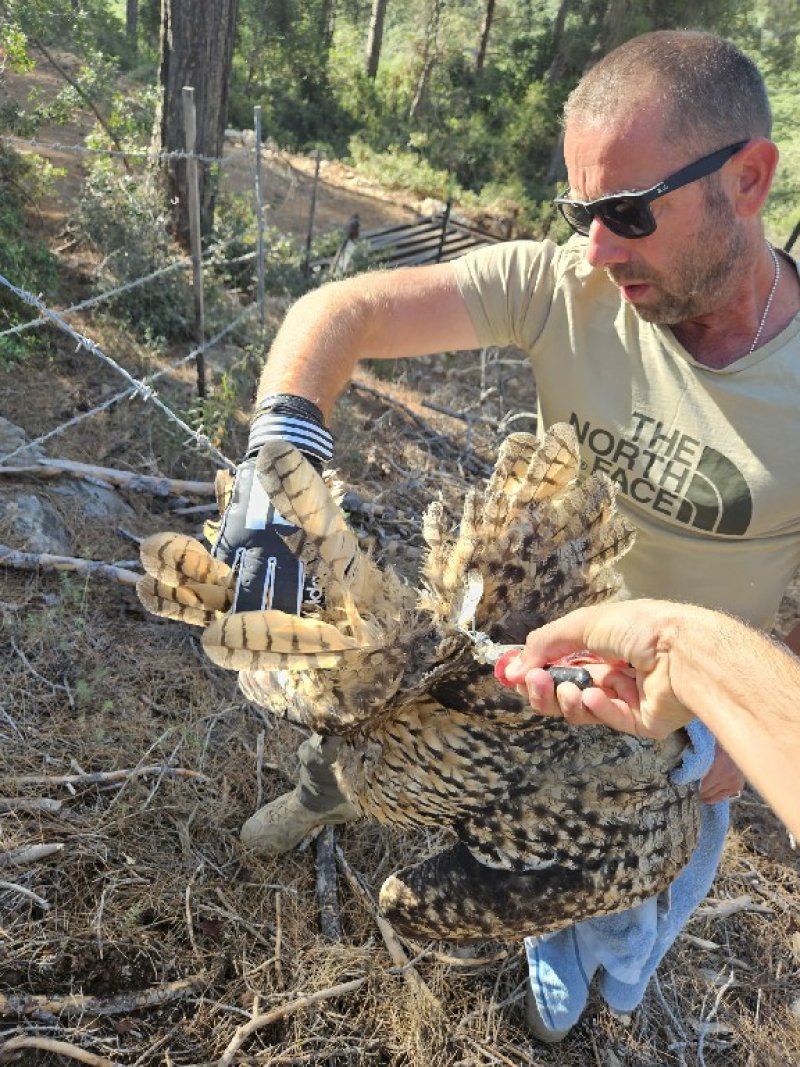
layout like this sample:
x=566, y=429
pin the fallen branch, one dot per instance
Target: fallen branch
x=141, y=483
x=33, y=561
x=48, y=804
x=102, y=777
x=58, y=1048
x=281, y=1012
x=23, y=892
x=22, y=1004
x=330, y=922
x=723, y=909
x=410, y=974
x=29, y=853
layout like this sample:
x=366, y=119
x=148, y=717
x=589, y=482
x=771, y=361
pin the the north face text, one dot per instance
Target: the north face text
x=671, y=473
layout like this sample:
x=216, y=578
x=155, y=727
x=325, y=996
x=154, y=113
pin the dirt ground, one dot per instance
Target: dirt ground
x=143, y=933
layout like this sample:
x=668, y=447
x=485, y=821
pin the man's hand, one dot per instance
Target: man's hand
x=251, y=534
x=637, y=699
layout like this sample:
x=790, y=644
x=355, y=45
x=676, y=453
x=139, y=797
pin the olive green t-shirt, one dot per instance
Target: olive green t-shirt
x=707, y=461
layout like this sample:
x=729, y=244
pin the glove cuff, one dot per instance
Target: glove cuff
x=313, y=440
x=290, y=404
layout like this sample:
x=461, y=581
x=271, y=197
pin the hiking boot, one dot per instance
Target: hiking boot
x=281, y=825
x=536, y=1024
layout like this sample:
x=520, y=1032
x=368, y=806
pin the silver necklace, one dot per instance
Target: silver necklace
x=763, y=322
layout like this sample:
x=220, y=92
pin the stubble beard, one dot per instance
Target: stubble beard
x=703, y=277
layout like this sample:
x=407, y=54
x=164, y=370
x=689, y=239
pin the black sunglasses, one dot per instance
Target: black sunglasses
x=629, y=214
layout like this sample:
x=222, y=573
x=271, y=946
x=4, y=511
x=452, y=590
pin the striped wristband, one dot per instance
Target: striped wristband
x=287, y=418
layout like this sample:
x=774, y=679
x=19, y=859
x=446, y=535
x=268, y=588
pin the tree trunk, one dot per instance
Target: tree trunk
x=131, y=23
x=558, y=64
x=328, y=23
x=486, y=29
x=197, y=39
x=429, y=56
x=375, y=37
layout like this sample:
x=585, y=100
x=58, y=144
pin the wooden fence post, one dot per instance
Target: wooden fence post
x=312, y=212
x=260, y=280
x=192, y=180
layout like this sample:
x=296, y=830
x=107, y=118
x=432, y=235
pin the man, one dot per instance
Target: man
x=683, y=661
x=666, y=333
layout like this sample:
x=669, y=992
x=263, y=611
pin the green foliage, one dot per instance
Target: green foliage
x=281, y=62
x=125, y=217
x=85, y=27
x=24, y=260
x=399, y=169
x=216, y=414
x=783, y=207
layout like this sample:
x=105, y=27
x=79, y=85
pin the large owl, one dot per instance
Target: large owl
x=553, y=824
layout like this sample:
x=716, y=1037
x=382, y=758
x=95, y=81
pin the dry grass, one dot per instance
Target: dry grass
x=151, y=936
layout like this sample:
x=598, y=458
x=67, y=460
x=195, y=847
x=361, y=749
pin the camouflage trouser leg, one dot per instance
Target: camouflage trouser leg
x=316, y=782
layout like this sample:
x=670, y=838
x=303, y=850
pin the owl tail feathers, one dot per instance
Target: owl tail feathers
x=453, y=897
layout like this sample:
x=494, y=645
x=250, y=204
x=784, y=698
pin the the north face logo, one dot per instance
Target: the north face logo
x=673, y=474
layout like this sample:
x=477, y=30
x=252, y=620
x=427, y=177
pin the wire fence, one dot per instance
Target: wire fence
x=138, y=387
x=147, y=156
x=144, y=387
x=258, y=252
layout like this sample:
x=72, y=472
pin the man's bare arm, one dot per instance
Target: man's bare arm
x=412, y=311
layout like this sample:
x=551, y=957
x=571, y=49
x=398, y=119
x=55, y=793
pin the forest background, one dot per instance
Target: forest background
x=452, y=99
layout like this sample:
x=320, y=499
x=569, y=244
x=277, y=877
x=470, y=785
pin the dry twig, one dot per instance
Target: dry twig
x=29, y=853
x=33, y=561
x=281, y=1012
x=723, y=909
x=48, y=804
x=330, y=922
x=105, y=777
x=390, y=938
x=23, y=1004
x=14, y=888
x=58, y=1048
x=146, y=483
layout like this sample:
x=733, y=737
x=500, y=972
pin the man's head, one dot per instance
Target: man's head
x=707, y=91
x=656, y=104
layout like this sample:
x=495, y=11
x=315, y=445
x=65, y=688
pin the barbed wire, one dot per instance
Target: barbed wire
x=108, y=294
x=138, y=387
x=145, y=154
x=133, y=391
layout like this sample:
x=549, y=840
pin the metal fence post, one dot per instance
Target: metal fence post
x=260, y=280
x=312, y=212
x=193, y=183
x=443, y=234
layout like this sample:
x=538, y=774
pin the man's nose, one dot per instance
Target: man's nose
x=605, y=248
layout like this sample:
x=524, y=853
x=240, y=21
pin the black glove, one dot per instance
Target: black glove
x=267, y=574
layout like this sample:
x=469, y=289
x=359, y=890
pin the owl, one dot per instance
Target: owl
x=552, y=824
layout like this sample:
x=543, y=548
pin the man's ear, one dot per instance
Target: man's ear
x=752, y=173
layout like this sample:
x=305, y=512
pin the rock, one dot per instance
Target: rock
x=29, y=522
x=33, y=525
x=13, y=437
x=95, y=501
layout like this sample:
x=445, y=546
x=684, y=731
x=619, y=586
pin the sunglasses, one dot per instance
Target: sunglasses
x=628, y=214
